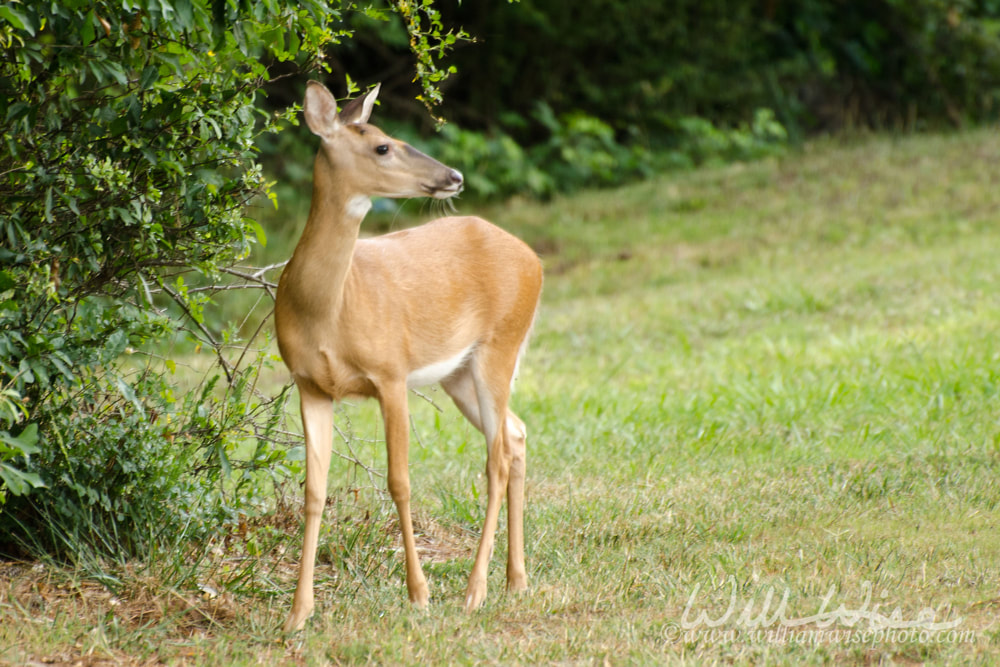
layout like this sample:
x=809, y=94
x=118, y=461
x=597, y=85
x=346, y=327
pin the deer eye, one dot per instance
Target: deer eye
x=383, y=149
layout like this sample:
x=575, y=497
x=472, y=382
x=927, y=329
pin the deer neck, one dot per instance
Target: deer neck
x=317, y=272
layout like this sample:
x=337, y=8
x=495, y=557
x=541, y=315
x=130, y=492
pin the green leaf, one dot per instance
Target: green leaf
x=19, y=482
x=149, y=76
x=61, y=362
x=185, y=14
x=294, y=43
x=16, y=19
x=87, y=29
x=48, y=205
x=224, y=463
x=117, y=72
x=258, y=230
x=129, y=393
x=17, y=111
x=24, y=444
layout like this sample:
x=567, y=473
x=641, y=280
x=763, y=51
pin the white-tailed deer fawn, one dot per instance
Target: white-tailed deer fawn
x=451, y=301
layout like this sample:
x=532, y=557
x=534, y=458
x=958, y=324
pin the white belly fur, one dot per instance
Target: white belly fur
x=437, y=371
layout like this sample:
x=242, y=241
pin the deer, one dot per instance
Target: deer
x=449, y=302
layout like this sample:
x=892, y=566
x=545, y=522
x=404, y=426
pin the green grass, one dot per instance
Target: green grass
x=779, y=378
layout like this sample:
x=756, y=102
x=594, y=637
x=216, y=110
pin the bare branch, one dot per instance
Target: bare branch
x=209, y=338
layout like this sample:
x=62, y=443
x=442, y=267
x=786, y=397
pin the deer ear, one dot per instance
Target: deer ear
x=320, y=109
x=359, y=110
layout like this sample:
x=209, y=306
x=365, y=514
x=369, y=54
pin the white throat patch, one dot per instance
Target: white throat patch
x=358, y=206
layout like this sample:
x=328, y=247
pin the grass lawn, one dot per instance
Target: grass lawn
x=763, y=407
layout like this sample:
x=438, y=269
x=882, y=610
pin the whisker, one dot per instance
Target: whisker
x=398, y=212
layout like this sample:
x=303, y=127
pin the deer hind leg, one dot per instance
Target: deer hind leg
x=317, y=422
x=515, y=436
x=395, y=412
x=481, y=391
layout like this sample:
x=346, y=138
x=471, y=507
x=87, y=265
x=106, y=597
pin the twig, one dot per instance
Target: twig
x=257, y=278
x=428, y=399
x=201, y=326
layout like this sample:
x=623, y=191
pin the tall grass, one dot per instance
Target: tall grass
x=778, y=378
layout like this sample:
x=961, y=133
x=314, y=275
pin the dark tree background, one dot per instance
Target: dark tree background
x=554, y=95
x=820, y=64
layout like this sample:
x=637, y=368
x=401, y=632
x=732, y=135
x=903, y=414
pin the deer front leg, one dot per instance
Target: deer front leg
x=317, y=422
x=395, y=412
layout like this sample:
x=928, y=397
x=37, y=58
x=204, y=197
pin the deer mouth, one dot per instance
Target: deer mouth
x=449, y=186
x=443, y=191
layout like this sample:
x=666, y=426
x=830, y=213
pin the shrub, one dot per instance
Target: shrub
x=582, y=151
x=127, y=160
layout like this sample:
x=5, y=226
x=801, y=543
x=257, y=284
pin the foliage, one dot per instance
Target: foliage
x=639, y=66
x=582, y=151
x=700, y=141
x=593, y=91
x=16, y=448
x=889, y=63
x=127, y=162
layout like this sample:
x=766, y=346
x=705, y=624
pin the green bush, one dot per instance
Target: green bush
x=493, y=163
x=700, y=141
x=582, y=151
x=127, y=160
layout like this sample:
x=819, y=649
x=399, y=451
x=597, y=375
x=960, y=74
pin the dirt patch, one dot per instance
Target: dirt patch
x=37, y=593
x=439, y=544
